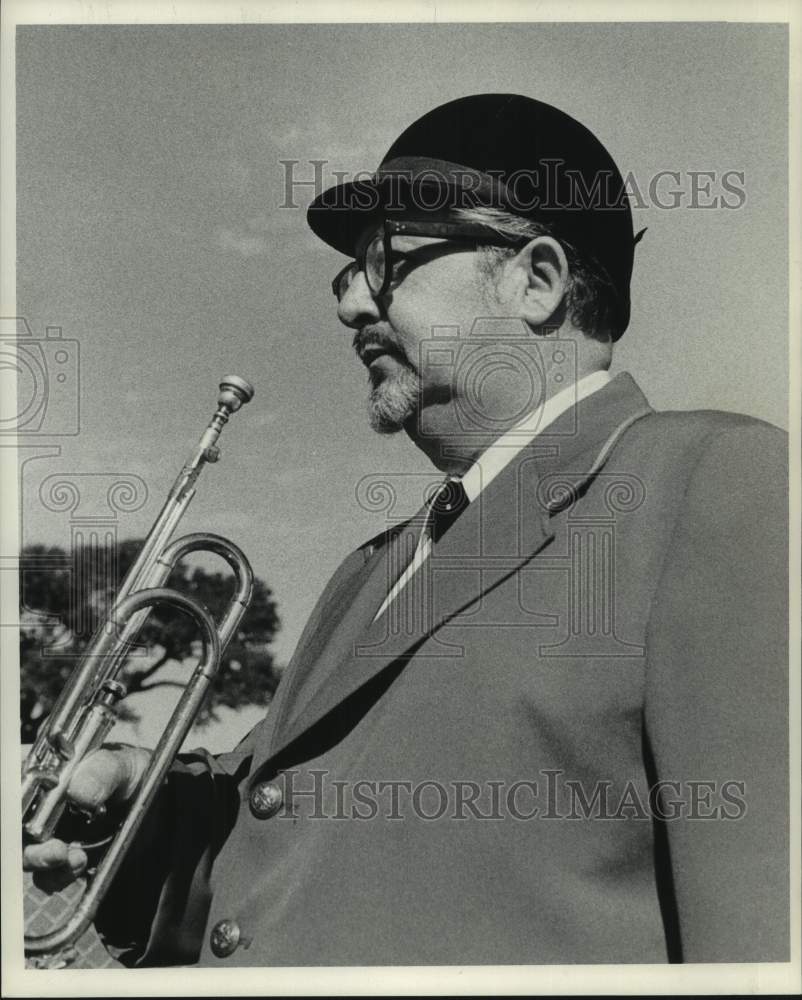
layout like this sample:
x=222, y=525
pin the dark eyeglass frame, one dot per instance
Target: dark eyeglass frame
x=472, y=232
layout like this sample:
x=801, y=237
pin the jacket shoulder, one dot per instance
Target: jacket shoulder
x=705, y=422
x=690, y=433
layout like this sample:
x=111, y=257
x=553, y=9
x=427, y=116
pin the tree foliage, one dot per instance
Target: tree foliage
x=65, y=597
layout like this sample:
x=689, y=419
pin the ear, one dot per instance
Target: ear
x=542, y=278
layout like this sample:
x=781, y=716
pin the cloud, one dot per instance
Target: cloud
x=263, y=419
x=246, y=244
x=322, y=139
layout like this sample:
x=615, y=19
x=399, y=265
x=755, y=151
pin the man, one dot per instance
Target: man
x=543, y=720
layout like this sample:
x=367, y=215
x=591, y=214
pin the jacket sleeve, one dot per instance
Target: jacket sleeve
x=716, y=701
x=156, y=908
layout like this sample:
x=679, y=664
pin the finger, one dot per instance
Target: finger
x=97, y=778
x=77, y=859
x=50, y=854
x=53, y=855
x=54, y=864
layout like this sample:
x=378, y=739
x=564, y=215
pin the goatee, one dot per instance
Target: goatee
x=393, y=400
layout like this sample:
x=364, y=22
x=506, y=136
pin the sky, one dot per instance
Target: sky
x=150, y=229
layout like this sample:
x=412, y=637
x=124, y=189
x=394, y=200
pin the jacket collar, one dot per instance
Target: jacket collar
x=506, y=526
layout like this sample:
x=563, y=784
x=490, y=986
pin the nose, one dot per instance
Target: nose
x=358, y=306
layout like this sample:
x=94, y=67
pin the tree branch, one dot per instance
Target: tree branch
x=145, y=674
x=159, y=684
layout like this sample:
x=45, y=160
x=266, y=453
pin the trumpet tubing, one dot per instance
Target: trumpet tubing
x=85, y=710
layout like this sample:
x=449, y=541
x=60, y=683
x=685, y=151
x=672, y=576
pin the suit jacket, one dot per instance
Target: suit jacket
x=600, y=643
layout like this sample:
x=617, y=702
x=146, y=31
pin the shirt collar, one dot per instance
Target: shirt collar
x=504, y=449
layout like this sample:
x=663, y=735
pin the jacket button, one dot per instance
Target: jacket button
x=224, y=938
x=265, y=799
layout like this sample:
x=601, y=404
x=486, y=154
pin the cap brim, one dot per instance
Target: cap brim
x=341, y=214
x=412, y=186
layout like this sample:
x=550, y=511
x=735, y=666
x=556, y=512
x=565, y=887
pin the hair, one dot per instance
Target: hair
x=590, y=301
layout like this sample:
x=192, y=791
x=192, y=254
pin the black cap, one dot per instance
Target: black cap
x=503, y=151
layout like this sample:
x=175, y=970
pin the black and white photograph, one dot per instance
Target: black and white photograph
x=400, y=538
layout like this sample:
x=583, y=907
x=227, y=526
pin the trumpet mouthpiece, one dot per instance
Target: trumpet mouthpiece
x=234, y=392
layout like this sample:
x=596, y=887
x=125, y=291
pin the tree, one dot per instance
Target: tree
x=64, y=599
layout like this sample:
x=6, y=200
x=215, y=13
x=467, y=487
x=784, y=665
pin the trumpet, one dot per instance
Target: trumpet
x=85, y=710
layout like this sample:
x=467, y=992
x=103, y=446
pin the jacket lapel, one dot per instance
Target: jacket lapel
x=505, y=527
x=347, y=614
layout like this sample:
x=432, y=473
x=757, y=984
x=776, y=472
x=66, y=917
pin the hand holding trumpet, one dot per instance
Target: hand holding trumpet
x=109, y=776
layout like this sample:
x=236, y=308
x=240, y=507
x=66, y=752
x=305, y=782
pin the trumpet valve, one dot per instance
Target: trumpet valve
x=61, y=745
x=110, y=693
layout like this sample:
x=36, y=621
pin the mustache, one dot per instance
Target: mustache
x=375, y=336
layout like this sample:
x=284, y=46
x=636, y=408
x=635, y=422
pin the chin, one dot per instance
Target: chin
x=393, y=403
x=388, y=419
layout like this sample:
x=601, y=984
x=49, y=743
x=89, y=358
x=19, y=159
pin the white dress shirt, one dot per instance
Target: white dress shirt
x=503, y=450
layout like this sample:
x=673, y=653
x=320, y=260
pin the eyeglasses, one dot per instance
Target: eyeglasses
x=372, y=258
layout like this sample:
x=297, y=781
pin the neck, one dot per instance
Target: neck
x=443, y=432
x=454, y=453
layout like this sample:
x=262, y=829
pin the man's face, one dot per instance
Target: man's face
x=435, y=284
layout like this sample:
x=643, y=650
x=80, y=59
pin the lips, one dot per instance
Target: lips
x=374, y=342
x=370, y=353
